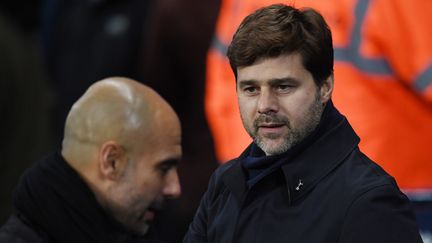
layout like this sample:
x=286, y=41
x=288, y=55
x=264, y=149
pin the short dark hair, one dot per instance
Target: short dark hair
x=281, y=29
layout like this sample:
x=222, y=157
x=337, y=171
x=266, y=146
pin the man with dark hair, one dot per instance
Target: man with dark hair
x=116, y=168
x=303, y=179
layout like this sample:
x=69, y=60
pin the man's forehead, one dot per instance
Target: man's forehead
x=277, y=68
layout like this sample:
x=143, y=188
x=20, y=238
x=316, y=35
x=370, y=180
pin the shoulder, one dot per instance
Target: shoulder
x=18, y=230
x=361, y=175
x=381, y=214
x=370, y=183
x=356, y=180
x=375, y=205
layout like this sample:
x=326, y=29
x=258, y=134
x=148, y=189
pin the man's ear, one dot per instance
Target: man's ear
x=326, y=89
x=112, y=160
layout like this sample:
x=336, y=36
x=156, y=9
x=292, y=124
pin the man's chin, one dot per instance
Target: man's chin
x=139, y=225
x=272, y=146
x=140, y=229
x=142, y=223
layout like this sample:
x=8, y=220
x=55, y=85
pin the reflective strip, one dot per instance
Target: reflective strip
x=351, y=53
x=424, y=80
x=218, y=45
x=419, y=195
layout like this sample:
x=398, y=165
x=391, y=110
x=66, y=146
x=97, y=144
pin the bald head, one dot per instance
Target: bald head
x=113, y=109
x=123, y=140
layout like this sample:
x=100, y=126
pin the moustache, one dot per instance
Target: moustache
x=265, y=119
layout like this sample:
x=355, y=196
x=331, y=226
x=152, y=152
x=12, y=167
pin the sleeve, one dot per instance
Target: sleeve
x=382, y=214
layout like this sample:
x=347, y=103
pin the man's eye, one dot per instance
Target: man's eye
x=284, y=87
x=250, y=90
x=163, y=170
x=164, y=167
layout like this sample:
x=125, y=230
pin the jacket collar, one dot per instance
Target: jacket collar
x=51, y=192
x=308, y=167
x=319, y=159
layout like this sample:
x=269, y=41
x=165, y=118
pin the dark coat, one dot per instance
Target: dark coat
x=54, y=204
x=330, y=192
x=19, y=230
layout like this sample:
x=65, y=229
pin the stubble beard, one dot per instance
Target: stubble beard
x=293, y=136
x=127, y=210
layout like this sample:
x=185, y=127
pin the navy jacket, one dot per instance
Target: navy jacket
x=330, y=192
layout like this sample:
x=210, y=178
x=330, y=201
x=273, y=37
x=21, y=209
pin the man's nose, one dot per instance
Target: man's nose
x=172, y=188
x=268, y=102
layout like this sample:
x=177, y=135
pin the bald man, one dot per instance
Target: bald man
x=116, y=168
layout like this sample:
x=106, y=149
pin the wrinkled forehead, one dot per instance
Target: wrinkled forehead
x=283, y=66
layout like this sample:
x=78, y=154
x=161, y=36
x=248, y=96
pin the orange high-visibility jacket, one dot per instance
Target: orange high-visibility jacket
x=383, y=80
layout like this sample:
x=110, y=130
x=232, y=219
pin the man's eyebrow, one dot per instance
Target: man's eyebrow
x=272, y=82
x=277, y=81
x=243, y=83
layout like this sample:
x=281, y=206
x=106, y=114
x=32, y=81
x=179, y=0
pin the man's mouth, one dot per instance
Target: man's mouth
x=152, y=210
x=270, y=124
x=270, y=127
x=149, y=215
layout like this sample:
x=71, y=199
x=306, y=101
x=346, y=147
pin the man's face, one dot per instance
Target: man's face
x=149, y=179
x=279, y=102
